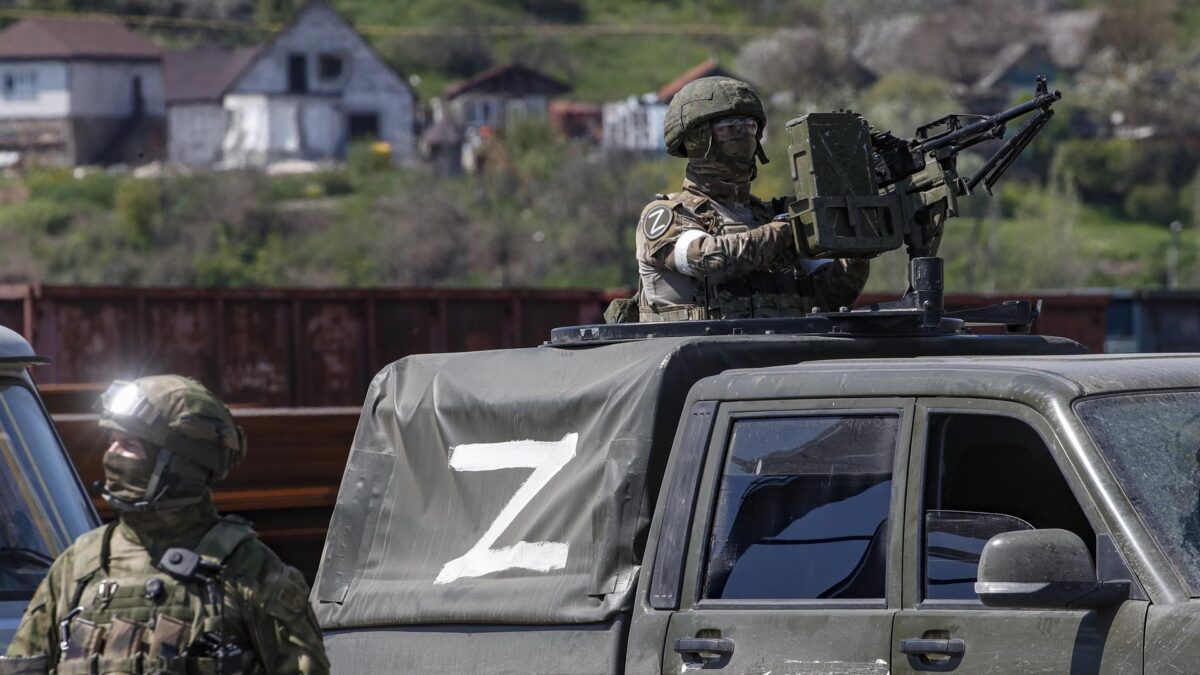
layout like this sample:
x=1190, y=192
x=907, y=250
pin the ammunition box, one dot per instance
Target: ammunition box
x=838, y=212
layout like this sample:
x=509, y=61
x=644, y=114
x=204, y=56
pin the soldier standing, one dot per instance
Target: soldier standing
x=171, y=586
x=713, y=250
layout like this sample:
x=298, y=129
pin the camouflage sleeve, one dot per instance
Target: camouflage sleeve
x=727, y=256
x=836, y=284
x=38, y=632
x=285, y=633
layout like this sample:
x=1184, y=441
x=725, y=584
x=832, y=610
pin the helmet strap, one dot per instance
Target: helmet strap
x=761, y=154
x=154, y=491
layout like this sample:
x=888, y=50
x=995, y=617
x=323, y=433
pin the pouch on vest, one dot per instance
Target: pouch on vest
x=86, y=640
x=24, y=665
x=167, y=637
x=623, y=310
x=124, y=639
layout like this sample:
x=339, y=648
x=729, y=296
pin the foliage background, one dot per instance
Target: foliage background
x=1081, y=210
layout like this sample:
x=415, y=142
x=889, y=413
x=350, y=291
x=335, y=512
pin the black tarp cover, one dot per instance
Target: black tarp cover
x=516, y=486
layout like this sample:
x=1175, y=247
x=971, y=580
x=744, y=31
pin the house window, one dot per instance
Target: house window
x=297, y=74
x=20, y=86
x=484, y=111
x=364, y=126
x=330, y=66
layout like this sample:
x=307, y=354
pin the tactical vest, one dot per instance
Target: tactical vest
x=151, y=620
x=769, y=293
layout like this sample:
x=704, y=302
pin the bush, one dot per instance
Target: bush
x=366, y=158
x=60, y=186
x=138, y=204
x=1153, y=203
x=37, y=217
x=1103, y=171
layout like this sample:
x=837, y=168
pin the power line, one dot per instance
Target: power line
x=385, y=30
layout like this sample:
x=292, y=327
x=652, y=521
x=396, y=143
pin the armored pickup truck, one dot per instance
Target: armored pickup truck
x=43, y=506
x=771, y=496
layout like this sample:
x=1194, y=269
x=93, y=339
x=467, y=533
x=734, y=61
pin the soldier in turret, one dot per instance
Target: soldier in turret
x=713, y=250
x=170, y=586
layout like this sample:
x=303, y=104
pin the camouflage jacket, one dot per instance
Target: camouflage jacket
x=699, y=258
x=136, y=618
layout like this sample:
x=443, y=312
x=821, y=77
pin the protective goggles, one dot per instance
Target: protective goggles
x=125, y=400
x=730, y=128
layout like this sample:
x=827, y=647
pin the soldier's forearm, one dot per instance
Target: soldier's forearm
x=836, y=285
x=727, y=256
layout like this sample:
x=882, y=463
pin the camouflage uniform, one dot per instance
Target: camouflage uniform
x=702, y=258
x=171, y=587
x=713, y=250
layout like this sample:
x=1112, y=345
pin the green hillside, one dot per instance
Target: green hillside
x=1084, y=208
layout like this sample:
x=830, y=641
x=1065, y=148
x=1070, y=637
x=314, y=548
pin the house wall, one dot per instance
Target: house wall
x=105, y=88
x=246, y=140
x=261, y=129
x=366, y=85
x=52, y=99
x=634, y=125
x=196, y=131
x=477, y=110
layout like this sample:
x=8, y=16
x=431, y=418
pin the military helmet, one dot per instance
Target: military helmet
x=705, y=99
x=179, y=415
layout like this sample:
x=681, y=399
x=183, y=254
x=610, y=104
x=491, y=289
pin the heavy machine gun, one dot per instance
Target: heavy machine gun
x=862, y=192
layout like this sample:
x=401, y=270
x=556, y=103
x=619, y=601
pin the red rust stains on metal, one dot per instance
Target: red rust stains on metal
x=182, y=339
x=334, y=353
x=298, y=347
x=257, y=368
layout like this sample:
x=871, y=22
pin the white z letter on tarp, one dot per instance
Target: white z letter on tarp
x=546, y=458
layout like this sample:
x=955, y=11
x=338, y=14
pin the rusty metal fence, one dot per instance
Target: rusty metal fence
x=271, y=348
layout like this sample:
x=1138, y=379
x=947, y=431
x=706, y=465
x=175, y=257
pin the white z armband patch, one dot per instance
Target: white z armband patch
x=681, y=247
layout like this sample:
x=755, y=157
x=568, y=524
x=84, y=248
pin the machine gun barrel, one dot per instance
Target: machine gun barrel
x=989, y=124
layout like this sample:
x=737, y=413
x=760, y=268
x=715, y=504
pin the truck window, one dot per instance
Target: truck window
x=1151, y=441
x=986, y=474
x=41, y=506
x=802, y=512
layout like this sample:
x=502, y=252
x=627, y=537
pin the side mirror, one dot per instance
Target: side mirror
x=1043, y=569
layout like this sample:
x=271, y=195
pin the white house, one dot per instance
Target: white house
x=636, y=123
x=79, y=91
x=313, y=88
x=195, y=83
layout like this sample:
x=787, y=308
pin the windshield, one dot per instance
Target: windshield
x=42, y=508
x=1152, y=444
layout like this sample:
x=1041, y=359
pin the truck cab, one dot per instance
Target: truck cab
x=829, y=498
x=43, y=505
x=831, y=517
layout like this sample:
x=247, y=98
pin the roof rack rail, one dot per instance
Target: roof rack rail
x=919, y=313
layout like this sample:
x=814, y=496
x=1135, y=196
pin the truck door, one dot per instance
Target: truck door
x=793, y=560
x=979, y=468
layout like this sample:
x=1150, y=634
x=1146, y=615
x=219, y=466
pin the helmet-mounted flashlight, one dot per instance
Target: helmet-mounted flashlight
x=125, y=399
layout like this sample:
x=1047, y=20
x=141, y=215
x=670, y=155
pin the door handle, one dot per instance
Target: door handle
x=917, y=646
x=723, y=646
